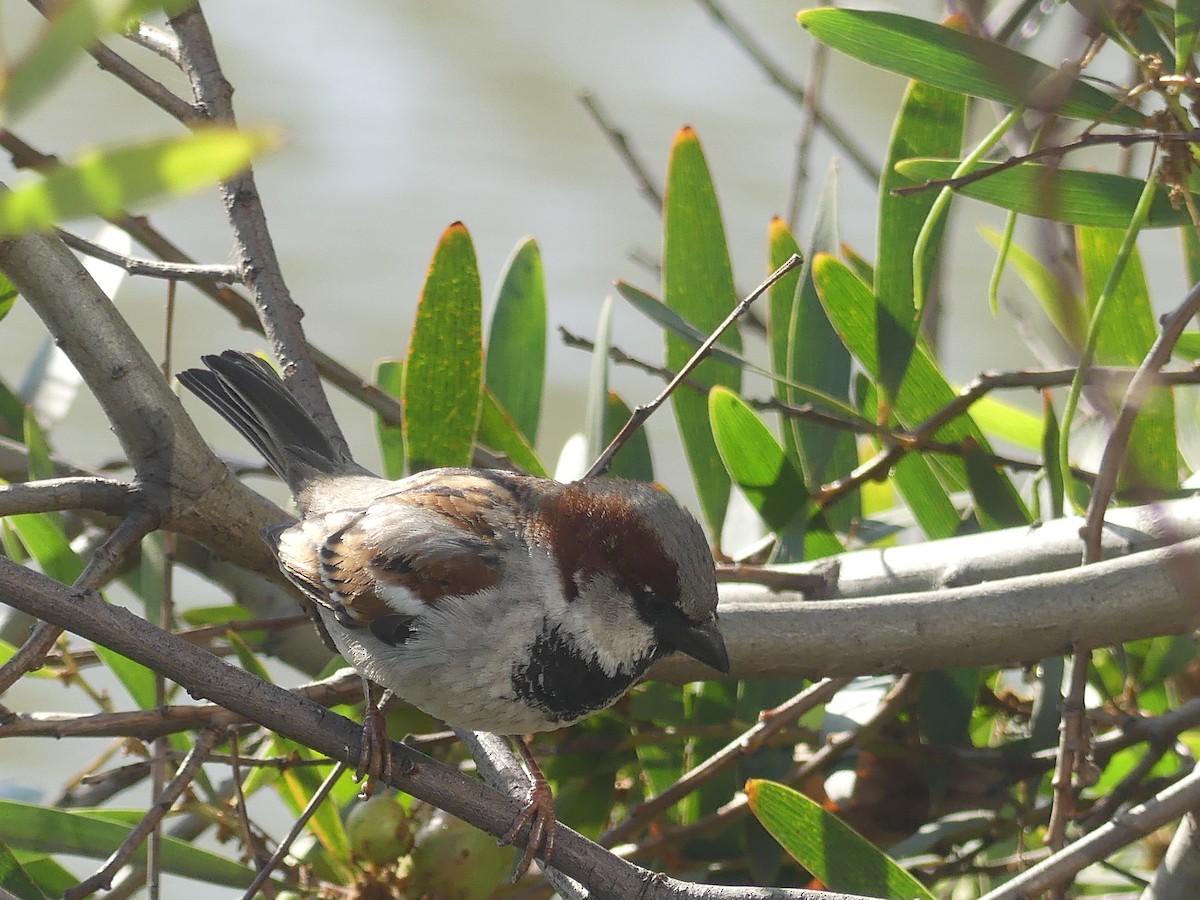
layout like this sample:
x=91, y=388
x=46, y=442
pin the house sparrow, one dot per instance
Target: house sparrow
x=492, y=600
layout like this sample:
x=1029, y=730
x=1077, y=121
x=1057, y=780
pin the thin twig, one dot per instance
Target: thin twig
x=104, y=562
x=172, y=792
x=1146, y=378
x=739, y=806
x=253, y=244
x=298, y=826
x=112, y=62
x=1124, y=828
x=808, y=119
x=780, y=78
x=620, y=143
x=149, y=267
x=770, y=722
x=1055, y=152
x=642, y=413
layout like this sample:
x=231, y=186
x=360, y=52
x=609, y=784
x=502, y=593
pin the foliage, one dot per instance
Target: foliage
x=859, y=446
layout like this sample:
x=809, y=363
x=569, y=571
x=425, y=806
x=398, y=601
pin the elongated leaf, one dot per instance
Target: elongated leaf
x=851, y=308
x=758, y=465
x=96, y=834
x=961, y=62
x=516, y=349
x=1063, y=195
x=389, y=376
x=73, y=27
x=1008, y=422
x=673, y=323
x=815, y=356
x=1187, y=22
x=15, y=879
x=829, y=848
x=1125, y=336
x=930, y=123
x=8, y=296
x=103, y=182
x=498, y=431
x=1064, y=309
x=596, y=406
x=443, y=372
x=698, y=284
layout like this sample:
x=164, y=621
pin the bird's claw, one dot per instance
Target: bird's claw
x=538, y=814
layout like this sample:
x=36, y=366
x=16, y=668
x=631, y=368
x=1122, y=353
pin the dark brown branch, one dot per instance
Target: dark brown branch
x=297, y=719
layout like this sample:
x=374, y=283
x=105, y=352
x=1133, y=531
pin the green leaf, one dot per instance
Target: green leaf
x=633, y=460
x=1187, y=22
x=951, y=59
x=758, y=465
x=851, y=308
x=95, y=834
x=827, y=847
x=516, y=348
x=813, y=355
x=8, y=296
x=698, y=284
x=997, y=505
x=1072, y=196
x=1059, y=302
x=673, y=323
x=1126, y=333
x=104, y=182
x=14, y=879
x=930, y=123
x=1007, y=422
x=389, y=376
x=443, y=373
x=40, y=464
x=73, y=27
x=498, y=431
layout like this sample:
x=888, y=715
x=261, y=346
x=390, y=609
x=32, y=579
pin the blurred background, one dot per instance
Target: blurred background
x=402, y=117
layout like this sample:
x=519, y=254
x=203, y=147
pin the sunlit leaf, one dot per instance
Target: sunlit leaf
x=930, y=123
x=952, y=59
x=1072, y=196
x=516, y=349
x=698, y=284
x=103, y=182
x=96, y=834
x=836, y=854
x=444, y=369
x=389, y=376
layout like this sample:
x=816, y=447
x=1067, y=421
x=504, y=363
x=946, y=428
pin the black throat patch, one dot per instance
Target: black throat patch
x=566, y=683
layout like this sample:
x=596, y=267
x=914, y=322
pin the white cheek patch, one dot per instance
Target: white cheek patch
x=401, y=599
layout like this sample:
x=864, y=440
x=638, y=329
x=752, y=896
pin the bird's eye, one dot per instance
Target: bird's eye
x=647, y=598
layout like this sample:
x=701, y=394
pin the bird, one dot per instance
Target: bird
x=493, y=600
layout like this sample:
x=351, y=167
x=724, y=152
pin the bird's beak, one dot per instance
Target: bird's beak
x=700, y=641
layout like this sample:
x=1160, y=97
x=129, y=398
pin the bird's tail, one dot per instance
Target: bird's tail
x=254, y=400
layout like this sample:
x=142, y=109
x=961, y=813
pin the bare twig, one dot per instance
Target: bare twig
x=770, y=722
x=1125, y=828
x=162, y=805
x=104, y=495
x=642, y=413
x=154, y=91
x=794, y=89
x=1055, y=152
x=1145, y=379
x=254, y=247
x=148, y=267
x=739, y=806
x=298, y=826
x=620, y=143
